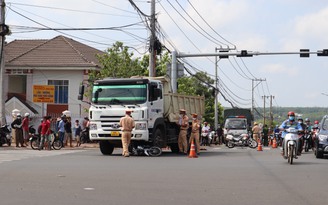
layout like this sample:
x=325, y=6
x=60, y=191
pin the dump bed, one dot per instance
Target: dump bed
x=173, y=102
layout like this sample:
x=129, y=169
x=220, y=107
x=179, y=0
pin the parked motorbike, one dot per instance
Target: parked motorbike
x=291, y=139
x=243, y=140
x=84, y=138
x=35, y=140
x=5, y=135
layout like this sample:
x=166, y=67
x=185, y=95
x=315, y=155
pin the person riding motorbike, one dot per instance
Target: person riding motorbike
x=277, y=135
x=308, y=130
x=205, y=135
x=290, y=122
x=315, y=130
x=301, y=139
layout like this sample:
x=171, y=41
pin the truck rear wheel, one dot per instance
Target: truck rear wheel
x=106, y=147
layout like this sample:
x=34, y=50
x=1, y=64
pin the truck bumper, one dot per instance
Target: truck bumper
x=96, y=135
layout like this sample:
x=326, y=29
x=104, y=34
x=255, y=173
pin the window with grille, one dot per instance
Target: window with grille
x=61, y=90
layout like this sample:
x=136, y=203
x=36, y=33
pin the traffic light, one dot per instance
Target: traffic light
x=324, y=52
x=305, y=53
x=244, y=53
x=223, y=56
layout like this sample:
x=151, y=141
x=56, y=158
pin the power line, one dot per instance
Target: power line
x=74, y=10
x=209, y=24
x=217, y=41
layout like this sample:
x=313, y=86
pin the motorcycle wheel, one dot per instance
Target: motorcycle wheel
x=154, y=151
x=290, y=154
x=252, y=143
x=57, y=144
x=35, y=144
x=230, y=144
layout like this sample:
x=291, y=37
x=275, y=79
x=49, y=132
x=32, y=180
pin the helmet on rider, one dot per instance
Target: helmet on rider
x=316, y=122
x=291, y=116
x=27, y=114
x=18, y=116
x=300, y=119
x=307, y=120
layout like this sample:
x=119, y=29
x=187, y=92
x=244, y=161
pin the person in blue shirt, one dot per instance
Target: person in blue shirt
x=289, y=123
x=61, y=129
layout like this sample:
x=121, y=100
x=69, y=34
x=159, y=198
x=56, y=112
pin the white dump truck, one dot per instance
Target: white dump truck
x=155, y=111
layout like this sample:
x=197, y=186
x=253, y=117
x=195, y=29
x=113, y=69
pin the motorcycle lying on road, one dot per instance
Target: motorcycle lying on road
x=243, y=140
x=5, y=136
x=291, y=140
x=144, y=150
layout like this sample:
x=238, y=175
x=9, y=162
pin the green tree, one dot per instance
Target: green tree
x=200, y=84
x=117, y=62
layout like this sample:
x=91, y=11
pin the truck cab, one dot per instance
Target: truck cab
x=155, y=111
x=235, y=126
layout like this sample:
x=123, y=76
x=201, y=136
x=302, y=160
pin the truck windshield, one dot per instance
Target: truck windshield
x=235, y=124
x=119, y=94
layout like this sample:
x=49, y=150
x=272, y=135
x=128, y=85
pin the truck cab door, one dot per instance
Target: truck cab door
x=155, y=103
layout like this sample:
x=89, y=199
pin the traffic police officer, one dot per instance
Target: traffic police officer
x=126, y=124
x=195, y=132
x=183, y=123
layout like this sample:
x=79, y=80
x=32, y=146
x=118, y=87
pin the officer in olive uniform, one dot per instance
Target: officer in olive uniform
x=184, y=125
x=195, y=125
x=126, y=124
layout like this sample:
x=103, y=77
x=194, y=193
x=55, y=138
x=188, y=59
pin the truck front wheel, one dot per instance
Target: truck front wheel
x=106, y=147
x=158, y=139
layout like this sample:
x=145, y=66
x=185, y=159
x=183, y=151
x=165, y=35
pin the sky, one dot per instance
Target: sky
x=203, y=26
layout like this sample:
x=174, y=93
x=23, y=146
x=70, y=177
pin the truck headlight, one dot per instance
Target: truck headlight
x=140, y=126
x=93, y=126
x=322, y=137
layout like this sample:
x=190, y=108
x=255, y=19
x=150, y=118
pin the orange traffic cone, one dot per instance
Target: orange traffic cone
x=259, y=147
x=274, y=144
x=192, y=153
x=270, y=142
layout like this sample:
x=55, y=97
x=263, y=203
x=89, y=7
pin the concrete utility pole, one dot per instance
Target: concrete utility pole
x=264, y=108
x=152, y=54
x=2, y=61
x=253, y=87
x=271, y=115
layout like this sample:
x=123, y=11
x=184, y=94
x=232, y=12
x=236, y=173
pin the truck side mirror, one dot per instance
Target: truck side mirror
x=158, y=93
x=81, y=92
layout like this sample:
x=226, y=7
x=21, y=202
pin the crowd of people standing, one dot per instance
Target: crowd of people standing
x=48, y=128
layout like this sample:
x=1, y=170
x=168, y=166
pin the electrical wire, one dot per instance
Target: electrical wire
x=74, y=10
x=210, y=25
x=214, y=39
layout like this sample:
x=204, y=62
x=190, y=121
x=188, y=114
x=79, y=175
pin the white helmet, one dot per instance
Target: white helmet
x=27, y=114
x=18, y=115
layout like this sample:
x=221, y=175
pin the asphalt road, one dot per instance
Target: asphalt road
x=219, y=176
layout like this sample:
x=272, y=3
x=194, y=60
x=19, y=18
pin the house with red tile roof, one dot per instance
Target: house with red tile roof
x=60, y=62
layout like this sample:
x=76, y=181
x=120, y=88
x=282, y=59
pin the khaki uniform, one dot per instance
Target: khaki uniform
x=182, y=140
x=127, y=124
x=195, y=134
x=256, y=132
